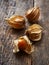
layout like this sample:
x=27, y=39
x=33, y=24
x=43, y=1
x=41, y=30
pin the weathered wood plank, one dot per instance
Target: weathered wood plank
x=7, y=34
x=41, y=54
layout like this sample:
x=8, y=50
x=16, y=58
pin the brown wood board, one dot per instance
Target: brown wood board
x=41, y=54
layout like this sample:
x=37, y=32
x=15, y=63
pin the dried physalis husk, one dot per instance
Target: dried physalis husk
x=16, y=21
x=23, y=44
x=33, y=14
x=34, y=32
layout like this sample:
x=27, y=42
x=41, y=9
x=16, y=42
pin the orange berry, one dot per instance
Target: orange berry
x=22, y=44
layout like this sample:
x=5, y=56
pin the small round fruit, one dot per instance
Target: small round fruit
x=33, y=14
x=22, y=44
x=34, y=32
x=16, y=21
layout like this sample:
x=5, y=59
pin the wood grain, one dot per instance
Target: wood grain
x=41, y=54
x=7, y=34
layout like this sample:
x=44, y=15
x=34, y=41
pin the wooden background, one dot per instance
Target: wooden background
x=41, y=54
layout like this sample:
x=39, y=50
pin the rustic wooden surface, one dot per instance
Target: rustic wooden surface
x=41, y=54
